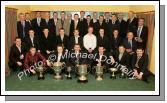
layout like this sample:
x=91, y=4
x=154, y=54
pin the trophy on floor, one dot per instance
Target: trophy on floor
x=113, y=70
x=122, y=75
x=82, y=71
x=57, y=67
x=69, y=69
x=41, y=70
x=99, y=72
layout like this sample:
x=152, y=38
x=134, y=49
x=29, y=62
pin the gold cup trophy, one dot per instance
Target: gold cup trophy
x=57, y=67
x=82, y=71
x=113, y=70
x=99, y=72
x=40, y=70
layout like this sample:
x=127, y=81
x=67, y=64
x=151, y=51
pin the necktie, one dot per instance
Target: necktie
x=23, y=24
x=130, y=44
x=139, y=31
x=138, y=58
x=38, y=21
x=120, y=56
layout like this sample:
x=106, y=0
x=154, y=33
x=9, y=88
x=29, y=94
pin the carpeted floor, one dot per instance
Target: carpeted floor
x=50, y=84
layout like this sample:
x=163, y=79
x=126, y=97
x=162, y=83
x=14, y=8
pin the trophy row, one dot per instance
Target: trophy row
x=81, y=70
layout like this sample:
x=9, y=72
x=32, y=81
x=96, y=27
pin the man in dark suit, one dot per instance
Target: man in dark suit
x=142, y=34
x=83, y=23
x=93, y=21
x=76, y=39
x=22, y=26
x=88, y=18
x=108, y=27
x=114, y=23
x=102, y=39
x=132, y=22
x=140, y=64
x=62, y=39
x=17, y=54
x=47, y=42
x=27, y=18
x=129, y=43
x=53, y=23
x=38, y=24
x=115, y=40
x=99, y=24
x=32, y=41
x=69, y=25
x=123, y=26
x=47, y=19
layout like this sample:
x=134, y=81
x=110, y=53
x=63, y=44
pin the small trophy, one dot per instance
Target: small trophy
x=99, y=72
x=57, y=67
x=113, y=70
x=40, y=69
x=69, y=72
x=82, y=72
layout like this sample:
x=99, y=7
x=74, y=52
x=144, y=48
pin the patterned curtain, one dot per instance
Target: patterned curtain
x=150, y=22
x=10, y=33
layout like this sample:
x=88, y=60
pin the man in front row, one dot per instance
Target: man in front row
x=140, y=64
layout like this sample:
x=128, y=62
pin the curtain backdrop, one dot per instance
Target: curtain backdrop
x=10, y=33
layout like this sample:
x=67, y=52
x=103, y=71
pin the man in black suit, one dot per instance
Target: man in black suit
x=108, y=27
x=99, y=24
x=47, y=42
x=132, y=22
x=102, y=39
x=27, y=18
x=115, y=40
x=38, y=24
x=83, y=24
x=22, y=26
x=17, y=54
x=114, y=23
x=53, y=23
x=32, y=41
x=47, y=19
x=142, y=34
x=69, y=25
x=88, y=18
x=76, y=39
x=140, y=64
x=123, y=25
x=129, y=43
x=93, y=21
x=62, y=39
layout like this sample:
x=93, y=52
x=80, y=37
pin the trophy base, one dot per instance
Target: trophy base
x=41, y=78
x=113, y=77
x=69, y=78
x=82, y=81
x=99, y=78
x=57, y=77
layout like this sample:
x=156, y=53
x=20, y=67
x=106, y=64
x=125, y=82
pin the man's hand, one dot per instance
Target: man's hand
x=19, y=64
x=90, y=50
x=22, y=56
x=47, y=51
x=48, y=63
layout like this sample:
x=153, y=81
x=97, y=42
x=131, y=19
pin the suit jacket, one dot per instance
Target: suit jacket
x=52, y=28
x=115, y=42
x=20, y=29
x=116, y=25
x=48, y=43
x=82, y=27
x=38, y=29
x=123, y=28
x=59, y=25
x=93, y=24
x=63, y=42
x=124, y=60
x=97, y=27
x=127, y=46
x=143, y=36
x=131, y=26
x=103, y=41
x=69, y=27
x=103, y=60
x=72, y=42
x=15, y=54
x=108, y=27
x=142, y=63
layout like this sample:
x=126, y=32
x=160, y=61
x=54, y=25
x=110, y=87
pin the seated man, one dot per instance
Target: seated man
x=16, y=56
x=32, y=59
x=140, y=64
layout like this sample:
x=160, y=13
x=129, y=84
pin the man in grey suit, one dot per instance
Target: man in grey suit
x=60, y=22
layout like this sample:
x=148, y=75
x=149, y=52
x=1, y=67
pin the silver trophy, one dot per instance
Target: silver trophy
x=41, y=70
x=57, y=67
x=113, y=70
x=99, y=72
x=69, y=69
x=82, y=71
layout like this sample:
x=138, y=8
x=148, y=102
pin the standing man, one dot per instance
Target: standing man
x=123, y=26
x=60, y=22
x=114, y=23
x=88, y=18
x=53, y=23
x=108, y=27
x=27, y=17
x=83, y=23
x=99, y=24
x=47, y=19
x=93, y=21
x=69, y=25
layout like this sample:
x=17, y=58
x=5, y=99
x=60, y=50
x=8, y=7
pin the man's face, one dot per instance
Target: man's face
x=31, y=33
x=113, y=18
x=55, y=15
x=121, y=49
x=27, y=16
x=94, y=15
x=101, y=49
x=18, y=42
x=101, y=31
x=63, y=15
x=141, y=22
x=139, y=52
x=59, y=49
x=38, y=14
x=130, y=36
x=88, y=18
x=130, y=15
x=61, y=32
x=22, y=17
x=76, y=17
x=77, y=48
x=90, y=30
x=101, y=19
x=33, y=51
x=69, y=16
x=115, y=33
x=46, y=31
x=107, y=15
x=82, y=14
x=47, y=15
x=76, y=32
x=120, y=16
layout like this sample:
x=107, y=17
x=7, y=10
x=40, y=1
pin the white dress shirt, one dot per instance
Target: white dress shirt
x=89, y=41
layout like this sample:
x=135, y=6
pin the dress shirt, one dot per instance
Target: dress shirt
x=89, y=41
